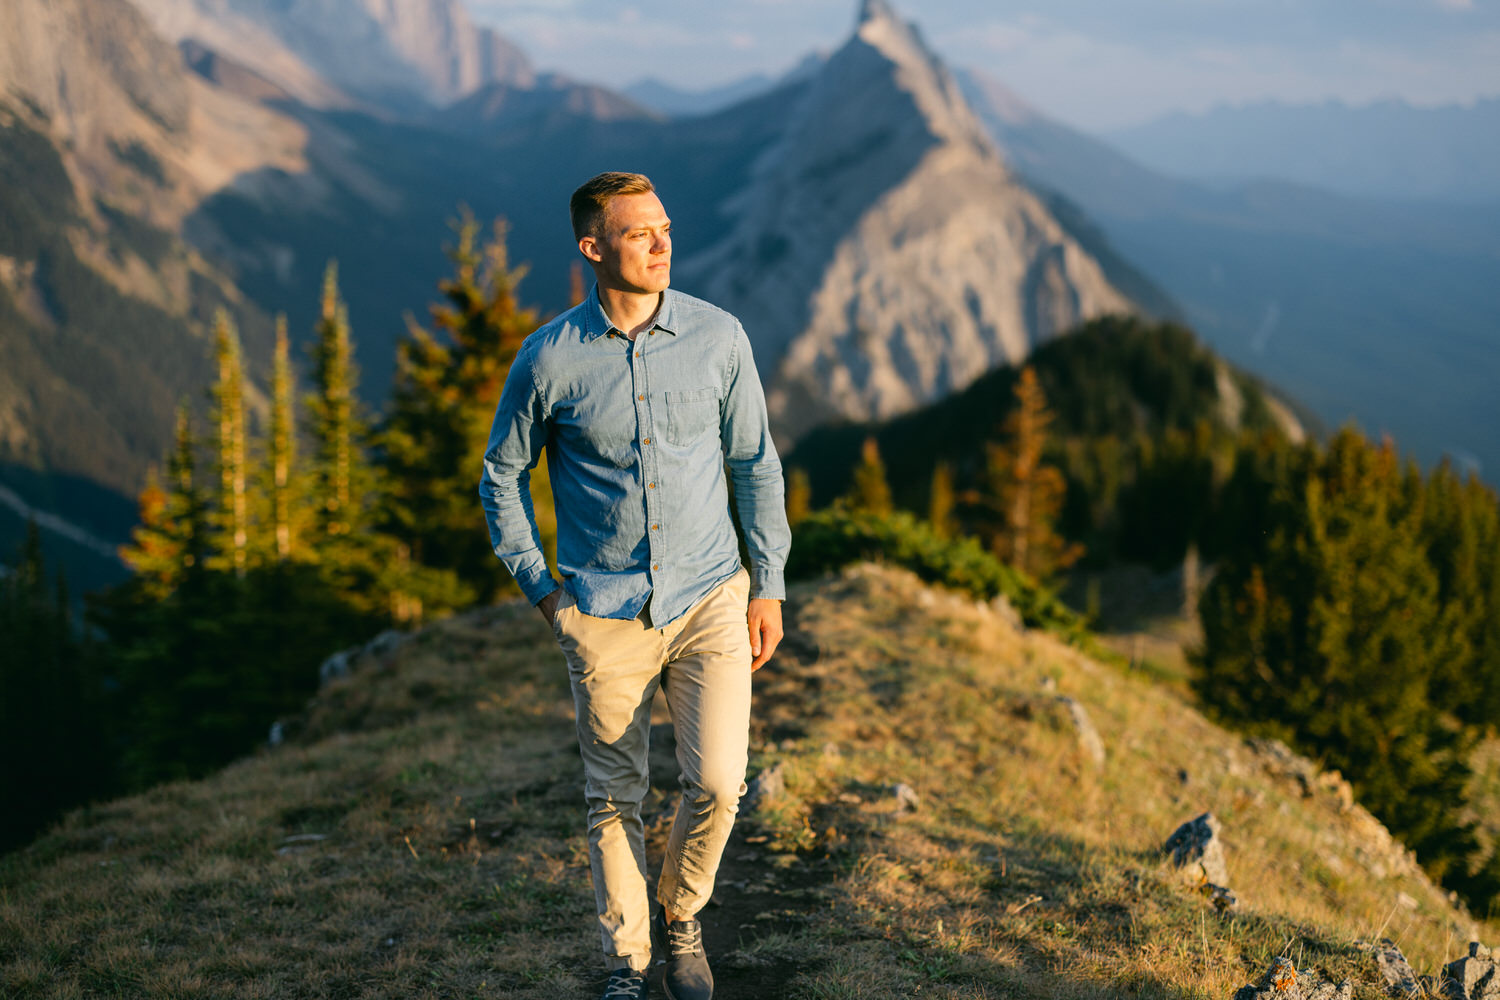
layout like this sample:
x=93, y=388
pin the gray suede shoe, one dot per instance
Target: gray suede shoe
x=625, y=984
x=687, y=976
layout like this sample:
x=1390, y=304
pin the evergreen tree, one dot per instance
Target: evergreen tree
x=446, y=389
x=170, y=542
x=336, y=429
x=798, y=496
x=281, y=449
x=1329, y=631
x=1025, y=495
x=232, y=518
x=576, y=287
x=52, y=728
x=871, y=493
x=940, y=501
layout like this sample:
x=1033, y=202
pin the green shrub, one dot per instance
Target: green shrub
x=828, y=539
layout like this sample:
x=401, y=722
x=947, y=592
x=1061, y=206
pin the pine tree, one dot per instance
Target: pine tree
x=1330, y=632
x=170, y=542
x=446, y=389
x=281, y=448
x=52, y=730
x=576, y=288
x=1025, y=495
x=336, y=429
x=798, y=496
x=871, y=492
x=232, y=518
x=941, y=500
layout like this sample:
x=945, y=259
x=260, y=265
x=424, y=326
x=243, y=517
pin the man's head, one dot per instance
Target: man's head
x=624, y=232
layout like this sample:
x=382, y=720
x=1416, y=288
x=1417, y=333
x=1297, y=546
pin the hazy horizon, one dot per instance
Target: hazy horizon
x=1091, y=63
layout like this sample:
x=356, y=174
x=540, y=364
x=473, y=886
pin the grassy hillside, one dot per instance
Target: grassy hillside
x=421, y=835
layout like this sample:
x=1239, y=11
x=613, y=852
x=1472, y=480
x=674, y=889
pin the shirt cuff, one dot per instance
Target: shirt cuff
x=537, y=586
x=767, y=583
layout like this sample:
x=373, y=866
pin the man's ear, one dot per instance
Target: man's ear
x=589, y=247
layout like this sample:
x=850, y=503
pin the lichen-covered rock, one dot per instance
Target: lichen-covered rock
x=1400, y=979
x=1196, y=849
x=1282, y=981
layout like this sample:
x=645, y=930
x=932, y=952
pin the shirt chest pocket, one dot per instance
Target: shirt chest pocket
x=691, y=413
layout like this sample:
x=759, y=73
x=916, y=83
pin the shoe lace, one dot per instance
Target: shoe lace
x=685, y=937
x=625, y=985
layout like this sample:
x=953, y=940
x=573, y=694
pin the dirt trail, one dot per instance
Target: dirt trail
x=758, y=893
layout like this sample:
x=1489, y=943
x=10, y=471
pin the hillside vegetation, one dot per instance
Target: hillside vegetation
x=421, y=835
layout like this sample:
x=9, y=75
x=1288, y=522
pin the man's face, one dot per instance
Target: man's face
x=633, y=249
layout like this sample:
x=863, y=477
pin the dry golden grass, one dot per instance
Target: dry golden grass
x=423, y=836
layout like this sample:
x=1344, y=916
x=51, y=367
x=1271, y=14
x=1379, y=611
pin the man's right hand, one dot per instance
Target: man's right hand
x=548, y=606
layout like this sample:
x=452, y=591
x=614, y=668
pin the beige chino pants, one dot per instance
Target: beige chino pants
x=702, y=661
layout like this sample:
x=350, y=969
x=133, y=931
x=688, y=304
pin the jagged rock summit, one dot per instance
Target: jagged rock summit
x=884, y=256
x=396, y=53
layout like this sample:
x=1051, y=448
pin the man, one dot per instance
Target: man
x=643, y=397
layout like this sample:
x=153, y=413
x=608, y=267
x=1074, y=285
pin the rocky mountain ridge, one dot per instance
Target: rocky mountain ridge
x=327, y=53
x=941, y=824
x=883, y=255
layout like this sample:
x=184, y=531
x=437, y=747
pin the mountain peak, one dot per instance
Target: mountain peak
x=875, y=11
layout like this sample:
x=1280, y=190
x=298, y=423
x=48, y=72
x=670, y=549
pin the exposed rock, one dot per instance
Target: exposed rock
x=1396, y=971
x=907, y=799
x=1282, y=981
x=884, y=255
x=767, y=786
x=1223, y=899
x=1001, y=606
x=1280, y=761
x=1472, y=977
x=1088, y=737
x=346, y=661
x=1197, y=850
x=418, y=51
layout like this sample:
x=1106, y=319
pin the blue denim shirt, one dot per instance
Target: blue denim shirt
x=638, y=437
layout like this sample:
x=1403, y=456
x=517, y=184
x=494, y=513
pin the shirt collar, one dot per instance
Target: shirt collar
x=596, y=323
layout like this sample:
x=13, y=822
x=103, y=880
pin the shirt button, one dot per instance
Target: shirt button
x=656, y=527
x=637, y=353
x=650, y=486
x=656, y=566
x=645, y=440
x=653, y=333
x=641, y=396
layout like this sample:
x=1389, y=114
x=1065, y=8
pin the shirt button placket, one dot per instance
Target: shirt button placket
x=646, y=433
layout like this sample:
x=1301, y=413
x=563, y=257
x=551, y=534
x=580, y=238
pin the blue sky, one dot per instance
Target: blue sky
x=1099, y=64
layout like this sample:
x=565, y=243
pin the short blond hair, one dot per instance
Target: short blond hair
x=591, y=200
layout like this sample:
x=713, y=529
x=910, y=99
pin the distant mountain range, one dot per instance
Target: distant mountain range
x=887, y=230
x=1387, y=150
x=1380, y=311
x=222, y=151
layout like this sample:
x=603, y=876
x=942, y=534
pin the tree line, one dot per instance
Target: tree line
x=1353, y=607
x=261, y=550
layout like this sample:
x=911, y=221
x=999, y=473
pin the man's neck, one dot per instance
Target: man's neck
x=630, y=312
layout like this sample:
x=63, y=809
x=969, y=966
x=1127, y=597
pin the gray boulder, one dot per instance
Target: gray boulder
x=1399, y=977
x=1088, y=737
x=1196, y=849
x=1472, y=977
x=768, y=785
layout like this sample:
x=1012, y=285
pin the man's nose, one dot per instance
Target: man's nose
x=661, y=244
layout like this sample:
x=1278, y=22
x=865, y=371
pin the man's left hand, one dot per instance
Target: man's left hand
x=764, y=617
